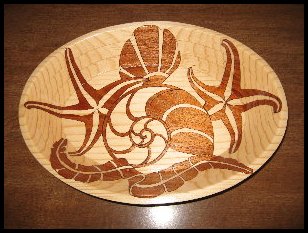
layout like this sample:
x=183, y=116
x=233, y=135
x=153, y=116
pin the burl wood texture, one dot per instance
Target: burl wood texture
x=196, y=80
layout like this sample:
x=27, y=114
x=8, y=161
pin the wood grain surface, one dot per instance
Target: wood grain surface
x=36, y=199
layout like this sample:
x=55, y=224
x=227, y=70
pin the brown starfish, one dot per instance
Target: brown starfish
x=91, y=108
x=228, y=101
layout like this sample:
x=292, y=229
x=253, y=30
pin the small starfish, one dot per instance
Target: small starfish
x=91, y=108
x=228, y=101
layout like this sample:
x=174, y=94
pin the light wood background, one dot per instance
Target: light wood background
x=22, y=164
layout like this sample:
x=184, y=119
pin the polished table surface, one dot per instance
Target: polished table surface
x=272, y=198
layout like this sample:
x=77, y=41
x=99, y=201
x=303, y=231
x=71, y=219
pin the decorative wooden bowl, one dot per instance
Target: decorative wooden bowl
x=153, y=112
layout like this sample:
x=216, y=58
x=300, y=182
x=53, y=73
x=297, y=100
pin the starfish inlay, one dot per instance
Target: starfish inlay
x=91, y=108
x=228, y=101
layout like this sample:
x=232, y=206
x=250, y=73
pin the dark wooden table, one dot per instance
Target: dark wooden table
x=273, y=198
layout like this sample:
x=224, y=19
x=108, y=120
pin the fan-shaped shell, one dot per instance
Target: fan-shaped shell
x=150, y=51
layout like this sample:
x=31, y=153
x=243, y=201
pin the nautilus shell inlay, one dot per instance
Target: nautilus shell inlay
x=158, y=117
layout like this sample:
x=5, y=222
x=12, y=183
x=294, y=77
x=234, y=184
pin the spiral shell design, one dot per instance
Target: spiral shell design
x=144, y=132
x=150, y=51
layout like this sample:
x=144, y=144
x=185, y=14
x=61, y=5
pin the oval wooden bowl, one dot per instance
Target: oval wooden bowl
x=153, y=112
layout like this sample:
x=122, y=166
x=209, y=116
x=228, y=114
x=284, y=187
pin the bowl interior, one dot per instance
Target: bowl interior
x=97, y=56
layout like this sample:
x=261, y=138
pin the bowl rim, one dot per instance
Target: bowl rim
x=174, y=198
